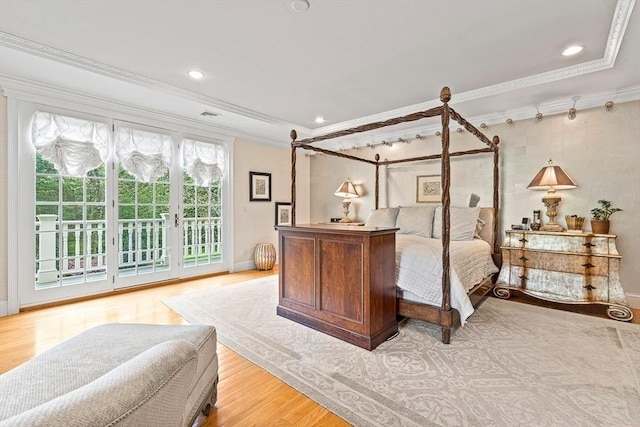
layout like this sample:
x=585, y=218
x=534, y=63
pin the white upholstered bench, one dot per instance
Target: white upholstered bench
x=116, y=374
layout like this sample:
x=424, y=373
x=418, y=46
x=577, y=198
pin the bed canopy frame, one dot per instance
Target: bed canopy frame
x=444, y=316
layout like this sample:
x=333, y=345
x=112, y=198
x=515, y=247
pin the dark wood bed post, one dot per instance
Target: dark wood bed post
x=377, y=178
x=496, y=198
x=445, y=97
x=293, y=134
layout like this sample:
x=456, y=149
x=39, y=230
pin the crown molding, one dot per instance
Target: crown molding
x=77, y=61
x=38, y=92
x=621, y=17
x=594, y=100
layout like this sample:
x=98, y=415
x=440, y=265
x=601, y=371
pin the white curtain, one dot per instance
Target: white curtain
x=145, y=155
x=74, y=146
x=204, y=162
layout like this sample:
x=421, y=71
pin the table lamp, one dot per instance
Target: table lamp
x=347, y=191
x=551, y=178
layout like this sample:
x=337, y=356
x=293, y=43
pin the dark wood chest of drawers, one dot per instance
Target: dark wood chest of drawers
x=339, y=280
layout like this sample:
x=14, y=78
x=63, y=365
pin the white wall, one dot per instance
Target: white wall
x=4, y=183
x=600, y=150
x=253, y=222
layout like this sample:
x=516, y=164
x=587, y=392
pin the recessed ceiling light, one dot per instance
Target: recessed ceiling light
x=319, y=119
x=572, y=50
x=195, y=74
x=300, y=5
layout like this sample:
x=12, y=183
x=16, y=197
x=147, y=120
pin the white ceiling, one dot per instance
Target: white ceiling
x=269, y=69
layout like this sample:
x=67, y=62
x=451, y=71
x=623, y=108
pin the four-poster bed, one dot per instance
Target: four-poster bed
x=301, y=289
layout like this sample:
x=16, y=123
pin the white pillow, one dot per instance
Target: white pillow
x=385, y=217
x=463, y=223
x=416, y=220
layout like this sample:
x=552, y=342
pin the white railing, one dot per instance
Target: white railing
x=75, y=248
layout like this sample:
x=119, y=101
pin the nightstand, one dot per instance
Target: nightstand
x=343, y=223
x=572, y=268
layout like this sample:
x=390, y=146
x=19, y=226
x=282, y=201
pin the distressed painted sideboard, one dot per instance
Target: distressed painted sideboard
x=574, y=268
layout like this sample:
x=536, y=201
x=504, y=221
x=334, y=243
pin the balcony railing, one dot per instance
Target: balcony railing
x=72, y=249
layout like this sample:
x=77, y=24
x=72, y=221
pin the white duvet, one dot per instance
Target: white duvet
x=419, y=269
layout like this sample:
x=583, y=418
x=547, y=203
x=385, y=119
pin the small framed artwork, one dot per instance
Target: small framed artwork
x=283, y=213
x=259, y=187
x=428, y=189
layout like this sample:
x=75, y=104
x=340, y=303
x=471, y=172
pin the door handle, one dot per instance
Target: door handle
x=175, y=221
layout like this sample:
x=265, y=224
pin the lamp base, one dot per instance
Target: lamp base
x=345, y=211
x=344, y=220
x=552, y=227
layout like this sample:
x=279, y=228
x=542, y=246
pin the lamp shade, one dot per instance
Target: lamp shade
x=346, y=190
x=551, y=177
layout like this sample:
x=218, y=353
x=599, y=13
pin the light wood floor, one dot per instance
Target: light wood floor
x=247, y=395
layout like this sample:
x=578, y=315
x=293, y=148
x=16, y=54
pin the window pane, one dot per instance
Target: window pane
x=126, y=192
x=47, y=188
x=162, y=193
x=72, y=189
x=46, y=210
x=126, y=212
x=145, y=211
x=97, y=172
x=72, y=213
x=95, y=190
x=145, y=193
x=95, y=213
x=44, y=166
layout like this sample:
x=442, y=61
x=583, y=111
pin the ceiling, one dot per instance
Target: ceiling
x=269, y=69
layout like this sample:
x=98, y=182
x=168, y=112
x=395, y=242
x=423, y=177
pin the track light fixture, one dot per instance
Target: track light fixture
x=418, y=136
x=572, y=110
x=483, y=125
x=509, y=122
x=459, y=130
x=608, y=106
x=438, y=133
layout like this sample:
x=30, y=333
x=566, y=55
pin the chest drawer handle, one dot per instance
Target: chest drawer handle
x=522, y=258
x=588, y=244
x=588, y=265
x=523, y=240
x=589, y=287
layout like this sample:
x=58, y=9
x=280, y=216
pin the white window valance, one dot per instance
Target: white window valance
x=203, y=161
x=74, y=146
x=145, y=155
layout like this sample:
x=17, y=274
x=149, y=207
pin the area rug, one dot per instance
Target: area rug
x=511, y=365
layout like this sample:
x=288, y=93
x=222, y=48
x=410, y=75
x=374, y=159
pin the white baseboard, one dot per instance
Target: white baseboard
x=4, y=308
x=244, y=265
x=633, y=300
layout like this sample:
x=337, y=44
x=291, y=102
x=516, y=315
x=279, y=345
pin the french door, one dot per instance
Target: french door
x=136, y=216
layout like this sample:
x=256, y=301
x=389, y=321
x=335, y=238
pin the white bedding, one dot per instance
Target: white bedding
x=419, y=269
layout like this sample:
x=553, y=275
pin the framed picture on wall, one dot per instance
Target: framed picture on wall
x=259, y=187
x=428, y=189
x=283, y=213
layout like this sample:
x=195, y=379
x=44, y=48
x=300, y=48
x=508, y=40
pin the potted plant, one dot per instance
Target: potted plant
x=600, y=222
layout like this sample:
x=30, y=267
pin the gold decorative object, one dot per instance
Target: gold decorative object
x=574, y=222
x=551, y=178
x=264, y=256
